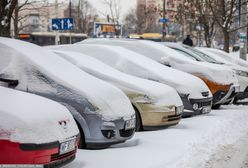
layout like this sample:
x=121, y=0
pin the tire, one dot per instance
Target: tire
x=217, y=106
x=138, y=124
x=82, y=144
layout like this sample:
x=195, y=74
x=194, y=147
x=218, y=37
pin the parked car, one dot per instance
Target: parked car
x=35, y=130
x=194, y=93
x=221, y=80
x=227, y=57
x=241, y=72
x=103, y=113
x=149, y=98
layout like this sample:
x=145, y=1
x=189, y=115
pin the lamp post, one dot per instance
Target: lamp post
x=164, y=33
x=70, y=17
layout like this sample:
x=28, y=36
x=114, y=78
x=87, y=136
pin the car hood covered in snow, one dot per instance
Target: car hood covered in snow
x=28, y=62
x=138, y=65
x=157, y=92
x=28, y=118
x=212, y=71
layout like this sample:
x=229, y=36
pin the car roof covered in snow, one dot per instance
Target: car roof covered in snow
x=111, y=101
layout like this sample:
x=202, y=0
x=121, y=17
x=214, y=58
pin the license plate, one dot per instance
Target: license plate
x=67, y=146
x=130, y=124
x=206, y=110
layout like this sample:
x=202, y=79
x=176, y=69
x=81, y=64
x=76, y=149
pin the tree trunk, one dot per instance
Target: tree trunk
x=207, y=36
x=16, y=17
x=226, y=40
x=5, y=31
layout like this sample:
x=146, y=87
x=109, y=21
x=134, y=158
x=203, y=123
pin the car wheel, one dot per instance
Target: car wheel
x=216, y=106
x=81, y=144
x=138, y=124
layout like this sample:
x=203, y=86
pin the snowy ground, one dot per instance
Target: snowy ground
x=216, y=140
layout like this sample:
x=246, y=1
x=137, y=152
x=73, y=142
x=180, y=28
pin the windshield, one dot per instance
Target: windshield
x=205, y=56
x=186, y=54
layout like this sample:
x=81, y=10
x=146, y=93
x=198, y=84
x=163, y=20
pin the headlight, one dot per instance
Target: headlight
x=195, y=106
x=179, y=110
x=143, y=99
x=241, y=73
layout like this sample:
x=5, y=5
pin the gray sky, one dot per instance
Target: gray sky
x=126, y=5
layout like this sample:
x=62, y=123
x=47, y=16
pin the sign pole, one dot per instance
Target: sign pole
x=70, y=17
x=56, y=15
x=164, y=33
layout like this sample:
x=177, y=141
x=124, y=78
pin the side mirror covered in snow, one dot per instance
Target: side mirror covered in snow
x=165, y=61
x=11, y=83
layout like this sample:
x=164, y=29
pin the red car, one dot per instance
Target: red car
x=35, y=130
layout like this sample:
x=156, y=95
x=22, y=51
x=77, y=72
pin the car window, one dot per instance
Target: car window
x=205, y=56
x=186, y=54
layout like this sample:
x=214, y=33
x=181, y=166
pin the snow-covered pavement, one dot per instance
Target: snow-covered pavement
x=215, y=140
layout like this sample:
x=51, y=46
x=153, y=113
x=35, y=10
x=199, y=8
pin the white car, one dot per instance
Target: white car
x=149, y=98
x=194, y=93
x=241, y=71
x=102, y=111
x=221, y=80
x=35, y=130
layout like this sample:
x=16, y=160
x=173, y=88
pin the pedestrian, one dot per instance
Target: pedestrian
x=188, y=41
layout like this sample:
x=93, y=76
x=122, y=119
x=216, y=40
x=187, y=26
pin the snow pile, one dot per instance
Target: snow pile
x=135, y=64
x=40, y=70
x=191, y=144
x=27, y=118
x=157, y=92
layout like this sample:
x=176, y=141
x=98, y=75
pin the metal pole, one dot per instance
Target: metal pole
x=70, y=17
x=164, y=33
x=56, y=16
x=243, y=31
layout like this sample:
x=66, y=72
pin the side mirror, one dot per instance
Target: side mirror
x=165, y=61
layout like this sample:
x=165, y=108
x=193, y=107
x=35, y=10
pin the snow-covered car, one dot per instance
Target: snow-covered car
x=221, y=80
x=228, y=57
x=102, y=111
x=149, y=98
x=241, y=72
x=194, y=93
x=35, y=130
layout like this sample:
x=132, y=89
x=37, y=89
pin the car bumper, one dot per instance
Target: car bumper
x=35, y=154
x=203, y=106
x=222, y=97
x=102, y=134
x=154, y=116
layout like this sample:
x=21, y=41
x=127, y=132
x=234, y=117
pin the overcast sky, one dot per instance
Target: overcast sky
x=126, y=5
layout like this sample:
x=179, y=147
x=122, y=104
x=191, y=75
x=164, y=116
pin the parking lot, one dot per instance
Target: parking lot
x=218, y=139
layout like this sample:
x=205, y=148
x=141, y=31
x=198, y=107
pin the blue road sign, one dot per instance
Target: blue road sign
x=163, y=20
x=62, y=24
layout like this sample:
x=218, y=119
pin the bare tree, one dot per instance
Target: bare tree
x=198, y=13
x=6, y=10
x=130, y=22
x=114, y=8
x=22, y=6
x=224, y=13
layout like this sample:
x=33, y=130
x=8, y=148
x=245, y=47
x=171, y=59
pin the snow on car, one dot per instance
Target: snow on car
x=228, y=57
x=221, y=80
x=150, y=99
x=103, y=113
x=241, y=72
x=194, y=93
x=35, y=130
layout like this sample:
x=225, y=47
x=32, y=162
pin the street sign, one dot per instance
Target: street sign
x=62, y=24
x=163, y=20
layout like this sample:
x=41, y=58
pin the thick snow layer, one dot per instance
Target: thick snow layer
x=157, y=92
x=228, y=56
x=165, y=55
x=191, y=144
x=209, y=69
x=135, y=64
x=27, y=118
x=111, y=101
